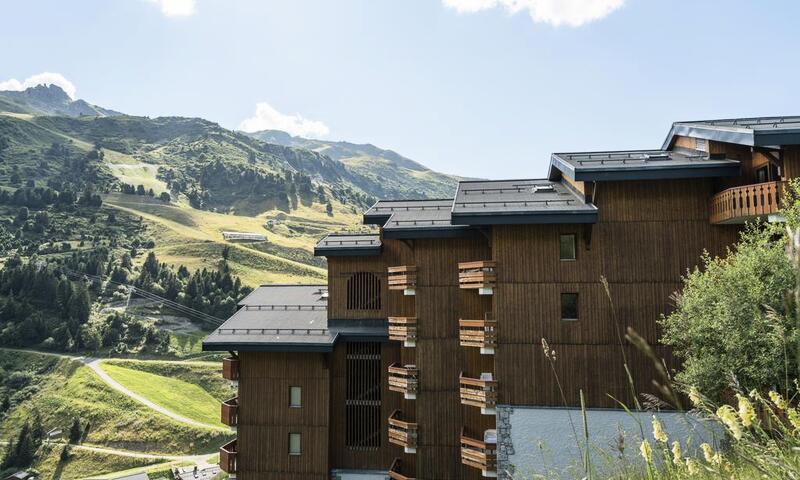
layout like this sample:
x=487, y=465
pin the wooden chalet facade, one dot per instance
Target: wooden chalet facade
x=399, y=366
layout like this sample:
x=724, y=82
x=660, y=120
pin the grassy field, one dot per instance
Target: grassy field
x=72, y=390
x=181, y=397
x=83, y=463
x=206, y=375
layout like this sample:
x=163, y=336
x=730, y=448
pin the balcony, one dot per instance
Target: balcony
x=748, y=202
x=230, y=412
x=395, y=471
x=478, y=334
x=479, y=392
x=480, y=454
x=478, y=275
x=403, y=278
x=227, y=458
x=403, y=380
x=402, y=433
x=230, y=369
x=403, y=329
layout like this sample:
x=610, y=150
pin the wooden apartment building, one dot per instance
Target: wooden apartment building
x=426, y=343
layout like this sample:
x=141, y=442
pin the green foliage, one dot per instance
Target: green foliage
x=730, y=319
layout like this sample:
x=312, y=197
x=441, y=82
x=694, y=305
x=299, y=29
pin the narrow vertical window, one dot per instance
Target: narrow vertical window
x=569, y=306
x=295, y=397
x=363, y=376
x=568, y=247
x=294, y=444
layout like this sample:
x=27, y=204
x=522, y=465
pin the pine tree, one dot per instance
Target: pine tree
x=75, y=431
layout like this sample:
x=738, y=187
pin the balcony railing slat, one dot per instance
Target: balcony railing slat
x=746, y=202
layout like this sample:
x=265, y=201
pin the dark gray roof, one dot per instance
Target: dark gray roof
x=414, y=218
x=289, y=318
x=640, y=165
x=348, y=244
x=500, y=202
x=755, y=131
x=287, y=295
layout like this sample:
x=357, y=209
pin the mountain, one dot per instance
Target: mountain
x=49, y=100
x=393, y=170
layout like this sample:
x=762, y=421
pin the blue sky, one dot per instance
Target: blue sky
x=455, y=84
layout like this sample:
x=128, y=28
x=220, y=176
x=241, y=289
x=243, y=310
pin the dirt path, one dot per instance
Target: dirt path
x=94, y=364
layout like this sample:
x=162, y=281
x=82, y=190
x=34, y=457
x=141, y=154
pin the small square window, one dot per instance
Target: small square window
x=567, y=247
x=294, y=444
x=569, y=306
x=295, y=397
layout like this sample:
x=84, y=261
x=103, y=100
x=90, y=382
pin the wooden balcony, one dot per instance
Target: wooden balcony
x=230, y=412
x=748, y=202
x=403, y=329
x=227, y=458
x=230, y=369
x=395, y=471
x=479, y=392
x=402, y=433
x=403, y=379
x=403, y=278
x=478, y=334
x=478, y=275
x=480, y=454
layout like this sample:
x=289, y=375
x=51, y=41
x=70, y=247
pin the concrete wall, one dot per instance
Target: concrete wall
x=540, y=441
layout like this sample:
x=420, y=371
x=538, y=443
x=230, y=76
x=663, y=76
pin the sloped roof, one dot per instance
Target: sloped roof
x=752, y=131
x=493, y=202
x=349, y=244
x=640, y=165
x=414, y=218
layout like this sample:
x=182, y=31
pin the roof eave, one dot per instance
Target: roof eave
x=587, y=216
x=659, y=173
x=347, y=251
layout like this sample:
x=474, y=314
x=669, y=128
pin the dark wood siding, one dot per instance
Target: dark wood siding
x=265, y=419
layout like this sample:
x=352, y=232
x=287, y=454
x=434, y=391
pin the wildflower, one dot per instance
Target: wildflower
x=794, y=418
x=646, y=450
x=694, y=396
x=549, y=353
x=708, y=452
x=691, y=466
x=658, y=431
x=677, y=454
x=746, y=411
x=778, y=400
x=728, y=417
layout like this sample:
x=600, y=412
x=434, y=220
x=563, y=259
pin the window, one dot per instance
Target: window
x=295, y=397
x=363, y=374
x=294, y=444
x=363, y=291
x=569, y=306
x=568, y=247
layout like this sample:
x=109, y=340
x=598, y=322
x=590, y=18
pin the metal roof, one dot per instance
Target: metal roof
x=497, y=202
x=414, y=218
x=753, y=131
x=289, y=318
x=640, y=165
x=348, y=244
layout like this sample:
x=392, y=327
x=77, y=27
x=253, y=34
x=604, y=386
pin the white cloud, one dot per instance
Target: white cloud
x=573, y=13
x=44, y=78
x=177, y=8
x=267, y=118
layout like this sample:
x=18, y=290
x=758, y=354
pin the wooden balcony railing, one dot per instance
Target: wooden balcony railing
x=478, y=334
x=403, y=278
x=230, y=412
x=479, y=392
x=480, y=275
x=739, y=204
x=403, y=379
x=395, y=471
x=230, y=369
x=227, y=457
x=403, y=329
x=402, y=433
x=479, y=454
